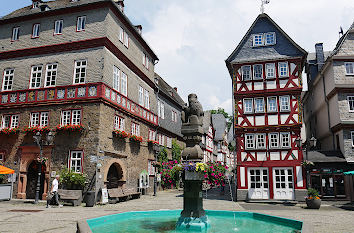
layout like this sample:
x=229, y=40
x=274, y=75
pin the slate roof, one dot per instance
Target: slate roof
x=326, y=157
x=169, y=91
x=230, y=134
x=219, y=125
x=206, y=121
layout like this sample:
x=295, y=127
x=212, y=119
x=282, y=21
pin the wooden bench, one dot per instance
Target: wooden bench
x=120, y=194
x=70, y=196
x=132, y=193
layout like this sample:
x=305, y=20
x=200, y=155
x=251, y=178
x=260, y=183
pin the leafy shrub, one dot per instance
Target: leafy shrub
x=72, y=180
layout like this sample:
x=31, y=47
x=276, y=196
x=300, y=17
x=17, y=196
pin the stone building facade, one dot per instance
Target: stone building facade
x=76, y=63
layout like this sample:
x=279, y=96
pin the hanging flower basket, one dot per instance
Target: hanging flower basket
x=42, y=160
x=134, y=138
x=156, y=164
x=35, y=129
x=152, y=142
x=70, y=128
x=120, y=134
x=9, y=131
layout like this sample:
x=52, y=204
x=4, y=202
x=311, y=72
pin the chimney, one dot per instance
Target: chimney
x=120, y=4
x=35, y=3
x=139, y=28
x=319, y=55
x=175, y=89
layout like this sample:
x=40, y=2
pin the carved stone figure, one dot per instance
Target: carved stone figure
x=194, y=110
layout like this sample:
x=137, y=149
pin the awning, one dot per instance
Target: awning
x=5, y=170
x=350, y=173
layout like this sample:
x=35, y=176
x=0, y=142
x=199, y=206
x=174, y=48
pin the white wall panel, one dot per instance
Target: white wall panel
x=272, y=119
x=260, y=120
x=242, y=176
x=300, y=179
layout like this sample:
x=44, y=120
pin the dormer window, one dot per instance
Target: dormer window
x=258, y=40
x=270, y=38
x=264, y=39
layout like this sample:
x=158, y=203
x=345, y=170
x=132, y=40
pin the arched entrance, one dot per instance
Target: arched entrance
x=115, y=176
x=32, y=176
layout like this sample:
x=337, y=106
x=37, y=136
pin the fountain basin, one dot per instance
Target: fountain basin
x=166, y=220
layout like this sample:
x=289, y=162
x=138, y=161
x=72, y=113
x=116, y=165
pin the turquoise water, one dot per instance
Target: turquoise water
x=220, y=222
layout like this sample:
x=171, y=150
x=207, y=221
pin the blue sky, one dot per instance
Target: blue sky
x=193, y=38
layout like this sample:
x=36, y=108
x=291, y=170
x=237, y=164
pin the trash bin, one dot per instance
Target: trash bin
x=90, y=199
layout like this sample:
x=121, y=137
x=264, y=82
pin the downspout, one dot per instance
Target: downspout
x=328, y=112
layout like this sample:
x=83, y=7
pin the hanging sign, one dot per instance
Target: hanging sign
x=104, y=196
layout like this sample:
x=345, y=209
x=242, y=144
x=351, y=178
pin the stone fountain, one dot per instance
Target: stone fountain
x=193, y=215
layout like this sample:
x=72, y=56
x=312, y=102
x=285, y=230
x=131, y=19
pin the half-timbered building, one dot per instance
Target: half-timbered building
x=266, y=72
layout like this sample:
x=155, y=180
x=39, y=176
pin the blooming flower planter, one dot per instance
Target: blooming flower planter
x=8, y=131
x=120, y=134
x=313, y=203
x=36, y=129
x=136, y=139
x=70, y=128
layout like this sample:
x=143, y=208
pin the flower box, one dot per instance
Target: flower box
x=35, y=129
x=9, y=131
x=120, y=134
x=70, y=128
x=152, y=142
x=134, y=138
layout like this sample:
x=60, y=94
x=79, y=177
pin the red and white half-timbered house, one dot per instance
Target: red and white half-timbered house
x=266, y=72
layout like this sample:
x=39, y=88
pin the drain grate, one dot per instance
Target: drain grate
x=25, y=211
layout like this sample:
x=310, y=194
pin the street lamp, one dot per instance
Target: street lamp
x=233, y=144
x=40, y=142
x=156, y=149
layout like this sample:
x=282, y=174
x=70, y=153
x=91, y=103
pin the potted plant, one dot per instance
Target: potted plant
x=73, y=184
x=313, y=200
x=70, y=128
x=120, y=134
x=35, y=129
x=134, y=138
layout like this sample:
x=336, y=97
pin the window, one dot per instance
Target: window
x=80, y=71
x=174, y=116
x=285, y=140
x=151, y=168
x=258, y=40
x=10, y=121
x=284, y=103
x=246, y=73
x=259, y=105
x=35, y=30
x=283, y=69
x=126, y=39
x=121, y=34
x=161, y=139
x=260, y=141
x=119, y=123
x=247, y=105
x=273, y=140
x=51, y=75
x=124, y=84
x=116, y=74
x=351, y=103
x=39, y=119
x=123, y=37
x=36, y=76
x=75, y=162
x=58, y=27
x=168, y=142
x=161, y=109
x=146, y=99
x=257, y=72
x=270, y=70
x=135, y=129
x=270, y=38
x=352, y=135
x=72, y=117
x=141, y=96
x=8, y=79
x=152, y=135
x=349, y=68
x=15, y=33
x=81, y=23
x=272, y=104
x=249, y=141
x=146, y=61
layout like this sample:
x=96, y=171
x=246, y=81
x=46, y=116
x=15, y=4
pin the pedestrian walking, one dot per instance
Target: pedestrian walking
x=54, y=193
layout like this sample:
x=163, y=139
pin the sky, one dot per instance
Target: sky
x=193, y=38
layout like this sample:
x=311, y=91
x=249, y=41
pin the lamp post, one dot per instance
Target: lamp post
x=233, y=144
x=156, y=149
x=40, y=142
x=307, y=146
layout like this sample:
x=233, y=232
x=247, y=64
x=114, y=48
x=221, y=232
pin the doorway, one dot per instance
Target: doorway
x=114, y=176
x=258, y=183
x=283, y=183
x=32, y=176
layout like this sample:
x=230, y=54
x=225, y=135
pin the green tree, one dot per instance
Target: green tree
x=162, y=156
x=176, y=151
x=228, y=117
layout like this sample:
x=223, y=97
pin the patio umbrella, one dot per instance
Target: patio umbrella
x=5, y=170
x=350, y=173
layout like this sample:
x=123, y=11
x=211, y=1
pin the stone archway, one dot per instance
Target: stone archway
x=32, y=179
x=114, y=173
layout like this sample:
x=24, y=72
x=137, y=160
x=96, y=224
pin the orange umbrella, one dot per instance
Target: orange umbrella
x=5, y=170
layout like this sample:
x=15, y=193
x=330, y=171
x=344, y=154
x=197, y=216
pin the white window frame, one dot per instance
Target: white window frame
x=162, y=110
x=152, y=135
x=51, y=75
x=261, y=136
x=161, y=139
x=8, y=79
x=281, y=104
x=286, y=69
x=174, y=116
x=36, y=76
x=80, y=69
x=135, y=129
x=350, y=103
x=78, y=165
x=121, y=34
x=58, y=27
x=268, y=104
x=119, y=123
x=146, y=99
x=15, y=34
x=254, y=72
x=81, y=23
x=274, y=38
x=126, y=39
x=270, y=66
x=244, y=105
x=76, y=117
x=141, y=95
x=352, y=137
x=39, y=119
x=348, y=64
x=249, y=141
x=124, y=84
x=116, y=77
x=70, y=117
x=249, y=77
x=276, y=142
x=5, y=121
x=282, y=134
x=254, y=44
x=14, y=121
x=168, y=142
x=256, y=109
x=35, y=30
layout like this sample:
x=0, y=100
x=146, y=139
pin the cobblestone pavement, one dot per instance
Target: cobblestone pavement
x=18, y=216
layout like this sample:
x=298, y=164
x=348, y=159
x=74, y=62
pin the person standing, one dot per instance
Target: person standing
x=54, y=192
